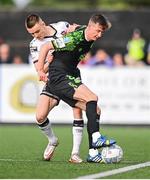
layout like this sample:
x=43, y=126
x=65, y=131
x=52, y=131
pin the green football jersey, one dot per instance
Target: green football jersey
x=70, y=49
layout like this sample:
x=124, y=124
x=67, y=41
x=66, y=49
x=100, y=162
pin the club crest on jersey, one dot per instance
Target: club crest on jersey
x=66, y=40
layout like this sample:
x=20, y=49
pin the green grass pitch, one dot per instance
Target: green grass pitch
x=22, y=146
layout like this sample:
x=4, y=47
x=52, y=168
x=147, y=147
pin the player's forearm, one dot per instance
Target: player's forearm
x=72, y=28
x=49, y=59
x=45, y=69
x=42, y=56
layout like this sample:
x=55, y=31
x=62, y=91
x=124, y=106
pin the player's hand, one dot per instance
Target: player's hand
x=42, y=76
x=72, y=27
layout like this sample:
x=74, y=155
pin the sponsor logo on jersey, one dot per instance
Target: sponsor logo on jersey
x=33, y=48
x=66, y=40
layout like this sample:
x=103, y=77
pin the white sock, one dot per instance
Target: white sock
x=95, y=136
x=77, y=139
x=48, y=132
x=93, y=152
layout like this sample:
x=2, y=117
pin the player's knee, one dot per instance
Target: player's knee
x=40, y=118
x=93, y=97
x=53, y=103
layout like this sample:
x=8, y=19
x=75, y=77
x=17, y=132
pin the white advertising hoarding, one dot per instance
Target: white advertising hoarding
x=124, y=95
x=20, y=90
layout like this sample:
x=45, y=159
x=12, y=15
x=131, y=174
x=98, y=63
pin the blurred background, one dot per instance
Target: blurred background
x=117, y=68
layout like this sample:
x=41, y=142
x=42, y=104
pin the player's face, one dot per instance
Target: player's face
x=94, y=31
x=37, y=30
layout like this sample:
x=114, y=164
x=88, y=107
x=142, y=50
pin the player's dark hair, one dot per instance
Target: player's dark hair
x=31, y=20
x=101, y=19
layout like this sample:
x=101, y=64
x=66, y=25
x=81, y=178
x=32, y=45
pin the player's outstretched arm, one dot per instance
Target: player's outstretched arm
x=72, y=27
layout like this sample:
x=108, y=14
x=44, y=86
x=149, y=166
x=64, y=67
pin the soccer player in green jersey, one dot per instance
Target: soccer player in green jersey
x=64, y=81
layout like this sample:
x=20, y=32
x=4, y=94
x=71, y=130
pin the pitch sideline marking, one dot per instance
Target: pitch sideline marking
x=115, y=171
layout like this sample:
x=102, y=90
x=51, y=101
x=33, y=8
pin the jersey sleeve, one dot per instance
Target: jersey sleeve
x=63, y=25
x=69, y=41
x=35, y=50
x=58, y=43
x=61, y=28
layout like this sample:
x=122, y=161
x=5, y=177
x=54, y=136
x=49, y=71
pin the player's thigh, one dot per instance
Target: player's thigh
x=70, y=101
x=85, y=94
x=81, y=105
x=49, y=98
x=74, y=103
x=44, y=105
x=53, y=102
x=64, y=85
